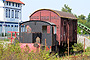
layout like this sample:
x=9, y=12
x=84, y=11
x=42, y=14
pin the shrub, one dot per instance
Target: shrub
x=88, y=49
x=14, y=52
x=6, y=39
x=77, y=47
x=1, y=50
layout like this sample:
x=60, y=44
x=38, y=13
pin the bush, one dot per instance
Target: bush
x=6, y=39
x=82, y=21
x=77, y=47
x=14, y=52
x=88, y=24
x=88, y=49
x=1, y=50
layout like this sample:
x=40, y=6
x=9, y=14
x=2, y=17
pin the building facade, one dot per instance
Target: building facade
x=11, y=15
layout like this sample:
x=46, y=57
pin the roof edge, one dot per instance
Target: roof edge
x=17, y=2
x=39, y=21
x=44, y=9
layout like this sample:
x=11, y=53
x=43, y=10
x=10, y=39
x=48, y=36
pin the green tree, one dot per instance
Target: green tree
x=75, y=15
x=66, y=8
x=82, y=17
x=88, y=19
x=88, y=24
x=82, y=21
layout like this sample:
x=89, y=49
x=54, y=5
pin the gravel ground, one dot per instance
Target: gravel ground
x=80, y=39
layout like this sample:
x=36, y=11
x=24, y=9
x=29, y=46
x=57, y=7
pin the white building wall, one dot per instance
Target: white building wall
x=3, y=6
x=13, y=8
x=1, y=11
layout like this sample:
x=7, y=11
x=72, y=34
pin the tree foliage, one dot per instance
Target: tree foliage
x=66, y=8
x=88, y=24
x=88, y=19
x=82, y=17
x=75, y=15
x=82, y=21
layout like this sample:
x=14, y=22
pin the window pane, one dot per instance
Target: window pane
x=16, y=4
x=11, y=25
x=9, y=13
x=16, y=14
x=0, y=25
x=44, y=29
x=8, y=25
x=12, y=13
x=15, y=26
x=6, y=13
x=12, y=4
x=9, y=3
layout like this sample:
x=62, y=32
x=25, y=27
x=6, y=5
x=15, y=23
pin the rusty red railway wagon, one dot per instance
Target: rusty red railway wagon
x=66, y=23
x=63, y=24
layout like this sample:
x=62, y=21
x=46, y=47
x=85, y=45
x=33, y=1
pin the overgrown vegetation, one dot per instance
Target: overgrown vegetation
x=14, y=52
x=88, y=49
x=77, y=47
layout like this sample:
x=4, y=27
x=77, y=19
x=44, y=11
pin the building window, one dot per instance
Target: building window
x=12, y=13
x=16, y=14
x=15, y=26
x=12, y=4
x=11, y=25
x=9, y=3
x=8, y=25
x=16, y=4
x=9, y=13
x=6, y=13
x=44, y=29
x=0, y=25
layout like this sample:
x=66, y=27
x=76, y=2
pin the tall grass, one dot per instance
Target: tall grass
x=14, y=52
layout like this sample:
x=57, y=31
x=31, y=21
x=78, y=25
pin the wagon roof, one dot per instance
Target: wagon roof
x=59, y=13
x=65, y=14
x=50, y=23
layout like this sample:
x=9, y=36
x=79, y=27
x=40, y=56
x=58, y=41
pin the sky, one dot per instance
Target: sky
x=78, y=6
